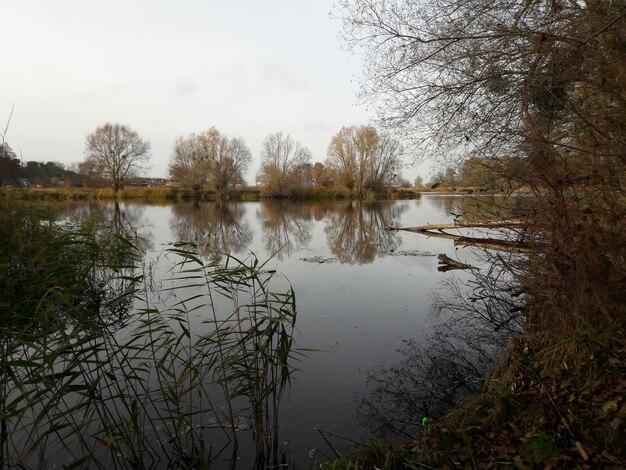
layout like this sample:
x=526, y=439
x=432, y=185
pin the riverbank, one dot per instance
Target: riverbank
x=165, y=193
x=545, y=405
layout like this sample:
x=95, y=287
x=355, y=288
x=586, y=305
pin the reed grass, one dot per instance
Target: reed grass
x=144, y=375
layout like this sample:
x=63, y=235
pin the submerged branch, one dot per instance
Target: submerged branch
x=448, y=263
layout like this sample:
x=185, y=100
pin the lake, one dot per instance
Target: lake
x=363, y=294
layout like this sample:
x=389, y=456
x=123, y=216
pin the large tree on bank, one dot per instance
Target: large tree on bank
x=116, y=152
x=542, y=81
x=362, y=157
x=285, y=165
x=209, y=160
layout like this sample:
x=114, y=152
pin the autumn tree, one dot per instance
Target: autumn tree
x=189, y=166
x=209, y=160
x=320, y=175
x=232, y=159
x=361, y=157
x=540, y=81
x=116, y=152
x=285, y=165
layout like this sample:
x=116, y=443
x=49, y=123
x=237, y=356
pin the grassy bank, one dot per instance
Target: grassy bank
x=546, y=405
x=163, y=193
x=156, y=193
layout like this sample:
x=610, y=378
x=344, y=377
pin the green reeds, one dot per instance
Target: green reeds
x=249, y=341
x=144, y=375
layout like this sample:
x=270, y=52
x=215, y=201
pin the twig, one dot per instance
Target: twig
x=322, y=431
x=327, y=442
x=6, y=128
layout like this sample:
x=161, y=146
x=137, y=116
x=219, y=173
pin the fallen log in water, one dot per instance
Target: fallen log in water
x=507, y=223
x=437, y=230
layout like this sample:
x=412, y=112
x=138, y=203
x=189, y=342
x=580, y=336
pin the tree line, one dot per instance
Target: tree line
x=359, y=159
x=14, y=172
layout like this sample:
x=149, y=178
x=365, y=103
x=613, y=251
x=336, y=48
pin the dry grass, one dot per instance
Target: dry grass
x=166, y=193
x=151, y=193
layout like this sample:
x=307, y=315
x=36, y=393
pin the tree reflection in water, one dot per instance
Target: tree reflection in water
x=215, y=228
x=477, y=319
x=122, y=220
x=286, y=226
x=84, y=384
x=356, y=230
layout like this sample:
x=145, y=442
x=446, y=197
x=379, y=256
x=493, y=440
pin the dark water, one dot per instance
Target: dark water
x=372, y=291
x=362, y=292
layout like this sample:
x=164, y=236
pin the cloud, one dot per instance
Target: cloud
x=88, y=95
x=276, y=73
x=187, y=86
x=129, y=85
x=318, y=126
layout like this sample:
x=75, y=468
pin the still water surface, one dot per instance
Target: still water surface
x=361, y=291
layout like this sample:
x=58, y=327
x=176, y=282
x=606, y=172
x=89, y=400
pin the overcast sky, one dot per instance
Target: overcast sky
x=168, y=69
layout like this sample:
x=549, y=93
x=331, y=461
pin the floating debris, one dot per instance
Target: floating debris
x=319, y=260
x=407, y=253
x=448, y=263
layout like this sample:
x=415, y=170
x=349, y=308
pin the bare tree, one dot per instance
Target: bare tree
x=232, y=161
x=189, y=165
x=209, y=160
x=343, y=160
x=362, y=157
x=116, y=152
x=282, y=163
x=539, y=81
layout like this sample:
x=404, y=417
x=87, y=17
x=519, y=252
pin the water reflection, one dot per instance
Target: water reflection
x=78, y=292
x=123, y=220
x=356, y=231
x=477, y=317
x=433, y=376
x=481, y=206
x=286, y=226
x=339, y=306
x=170, y=387
x=216, y=228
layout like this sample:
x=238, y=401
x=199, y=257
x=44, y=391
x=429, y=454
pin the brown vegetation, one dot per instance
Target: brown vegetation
x=538, y=91
x=209, y=161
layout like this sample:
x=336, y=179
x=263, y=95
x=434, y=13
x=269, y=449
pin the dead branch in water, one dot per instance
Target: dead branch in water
x=508, y=223
x=448, y=264
x=437, y=230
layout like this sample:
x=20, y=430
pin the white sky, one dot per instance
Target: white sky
x=167, y=69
